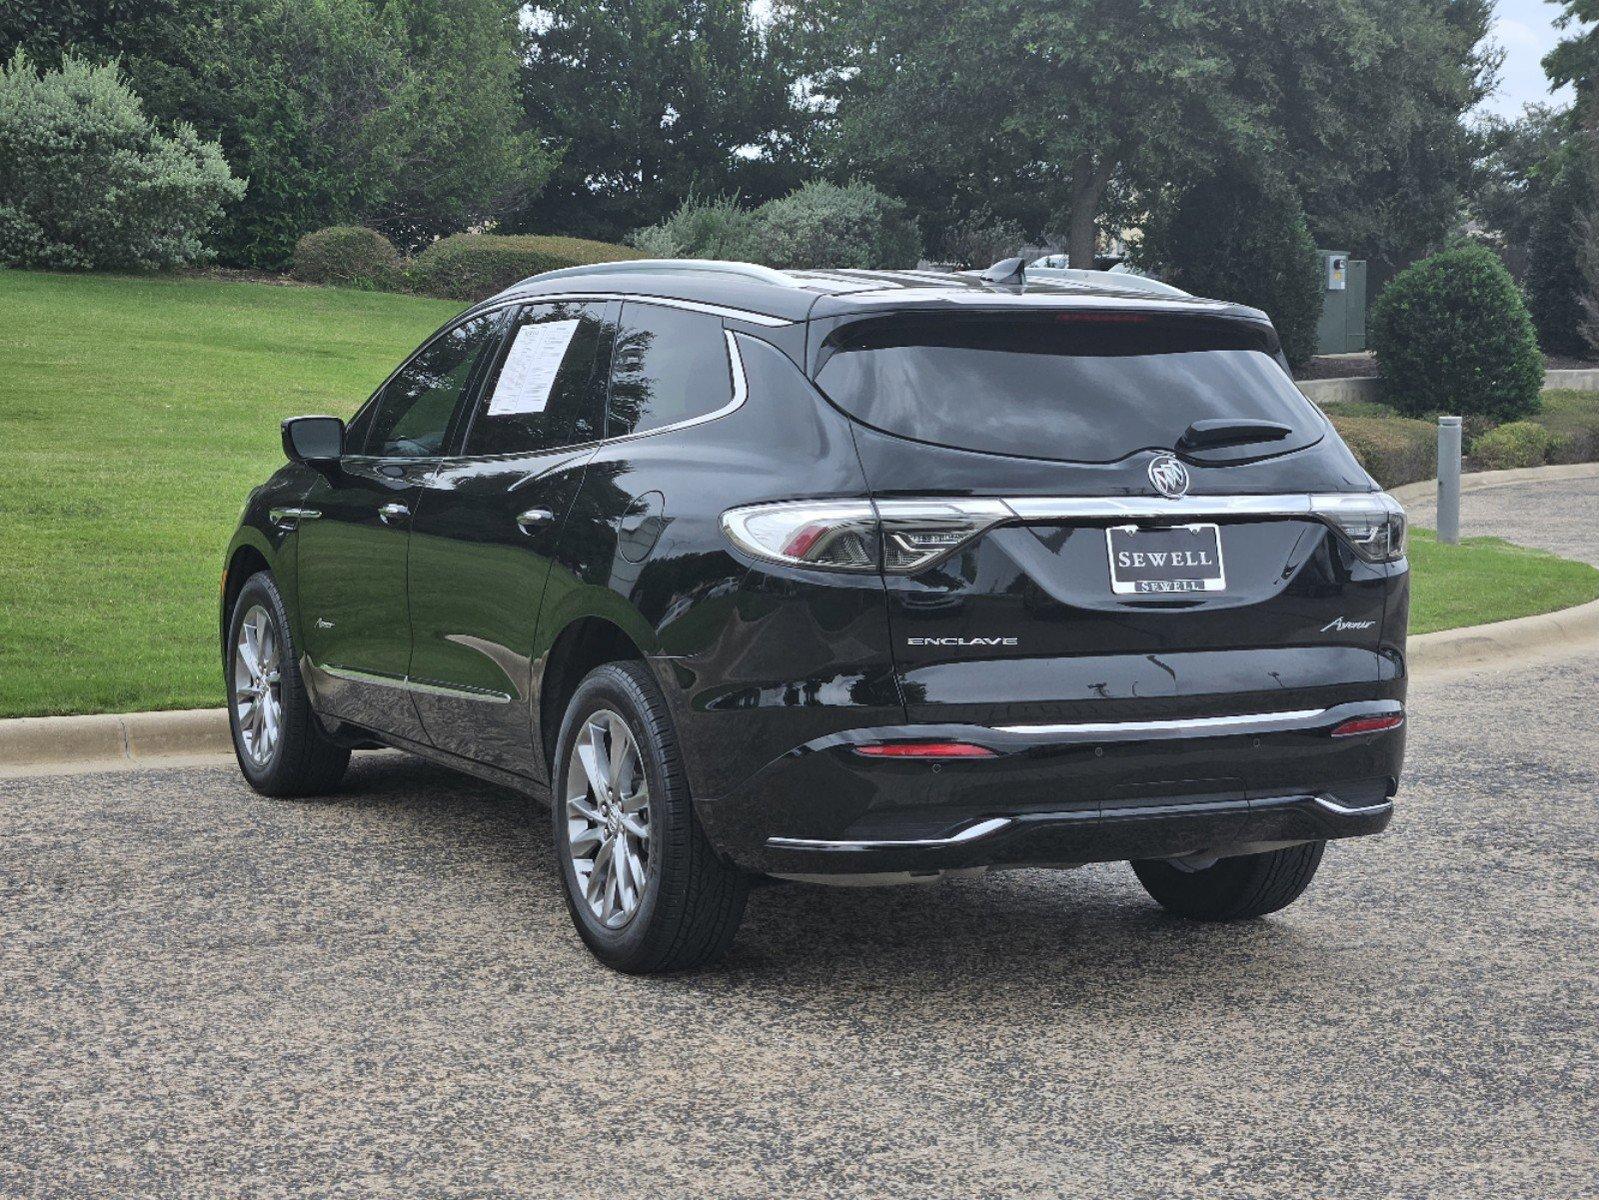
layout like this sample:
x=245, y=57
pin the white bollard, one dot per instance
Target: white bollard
x=1449, y=480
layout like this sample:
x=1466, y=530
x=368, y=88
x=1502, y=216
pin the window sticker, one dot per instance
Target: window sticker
x=529, y=372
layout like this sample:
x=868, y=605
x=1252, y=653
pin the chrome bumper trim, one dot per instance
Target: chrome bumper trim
x=1282, y=720
x=1243, y=723
x=970, y=834
x=1344, y=810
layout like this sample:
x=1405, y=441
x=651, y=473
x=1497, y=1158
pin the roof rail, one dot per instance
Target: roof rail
x=656, y=266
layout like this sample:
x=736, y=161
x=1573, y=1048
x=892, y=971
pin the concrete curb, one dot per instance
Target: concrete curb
x=128, y=738
x=1476, y=481
x=26, y=741
x=1503, y=643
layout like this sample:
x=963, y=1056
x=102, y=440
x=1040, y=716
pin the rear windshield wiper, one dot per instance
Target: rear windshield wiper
x=1226, y=431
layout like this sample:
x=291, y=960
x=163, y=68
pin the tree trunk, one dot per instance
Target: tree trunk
x=1088, y=188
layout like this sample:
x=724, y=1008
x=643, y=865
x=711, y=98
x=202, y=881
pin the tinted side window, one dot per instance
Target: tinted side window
x=413, y=413
x=671, y=365
x=548, y=388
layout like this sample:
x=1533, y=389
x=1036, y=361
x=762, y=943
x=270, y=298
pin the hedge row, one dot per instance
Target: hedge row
x=1398, y=450
x=467, y=266
x=1394, y=450
x=470, y=266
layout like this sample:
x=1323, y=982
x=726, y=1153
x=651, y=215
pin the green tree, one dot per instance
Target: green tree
x=1575, y=60
x=401, y=116
x=1030, y=106
x=649, y=102
x=87, y=180
x=1235, y=238
x=1044, y=109
x=1386, y=168
x=1516, y=168
x=467, y=155
x=1554, y=278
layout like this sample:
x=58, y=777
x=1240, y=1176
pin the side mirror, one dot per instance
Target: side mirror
x=314, y=441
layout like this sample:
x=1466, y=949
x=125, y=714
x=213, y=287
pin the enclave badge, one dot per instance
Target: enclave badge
x=1169, y=476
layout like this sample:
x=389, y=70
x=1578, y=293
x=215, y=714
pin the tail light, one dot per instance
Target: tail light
x=896, y=536
x=1372, y=523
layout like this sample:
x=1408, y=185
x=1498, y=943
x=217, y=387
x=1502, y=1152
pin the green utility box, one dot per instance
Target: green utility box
x=1342, y=328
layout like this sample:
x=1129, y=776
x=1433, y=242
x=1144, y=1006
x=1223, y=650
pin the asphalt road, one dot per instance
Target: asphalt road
x=205, y=994
x=1558, y=515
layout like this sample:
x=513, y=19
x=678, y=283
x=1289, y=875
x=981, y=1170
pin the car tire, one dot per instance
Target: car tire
x=1233, y=889
x=281, y=746
x=671, y=903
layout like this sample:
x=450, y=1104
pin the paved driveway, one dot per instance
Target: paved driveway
x=1562, y=516
x=205, y=994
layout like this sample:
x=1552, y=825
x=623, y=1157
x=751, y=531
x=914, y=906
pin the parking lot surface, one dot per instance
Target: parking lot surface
x=207, y=993
x=1555, y=515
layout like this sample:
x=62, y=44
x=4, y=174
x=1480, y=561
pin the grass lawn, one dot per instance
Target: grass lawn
x=1488, y=579
x=137, y=412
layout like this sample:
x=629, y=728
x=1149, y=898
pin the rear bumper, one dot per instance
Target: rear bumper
x=1059, y=794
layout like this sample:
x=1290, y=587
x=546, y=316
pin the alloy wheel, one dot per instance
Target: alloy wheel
x=608, y=818
x=257, y=684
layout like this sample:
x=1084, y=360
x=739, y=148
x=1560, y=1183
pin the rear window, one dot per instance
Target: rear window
x=1077, y=387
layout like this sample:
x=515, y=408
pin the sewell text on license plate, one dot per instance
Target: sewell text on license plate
x=1165, y=560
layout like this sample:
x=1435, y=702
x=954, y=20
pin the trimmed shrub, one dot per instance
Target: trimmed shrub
x=1452, y=334
x=347, y=256
x=1394, y=450
x=1517, y=444
x=88, y=182
x=1233, y=239
x=700, y=228
x=472, y=266
x=981, y=240
x=825, y=225
x=1573, y=418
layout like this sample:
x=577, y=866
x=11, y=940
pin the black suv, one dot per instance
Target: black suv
x=839, y=576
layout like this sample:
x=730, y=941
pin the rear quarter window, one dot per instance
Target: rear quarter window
x=670, y=365
x=1076, y=387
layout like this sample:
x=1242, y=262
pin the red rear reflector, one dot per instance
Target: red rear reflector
x=804, y=538
x=1358, y=725
x=925, y=750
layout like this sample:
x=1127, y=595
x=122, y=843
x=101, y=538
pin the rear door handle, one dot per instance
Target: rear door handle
x=393, y=512
x=533, y=518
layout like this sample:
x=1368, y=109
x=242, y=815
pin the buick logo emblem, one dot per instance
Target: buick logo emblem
x=1169, y=476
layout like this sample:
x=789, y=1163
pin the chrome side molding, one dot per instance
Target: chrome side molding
x=411, y=684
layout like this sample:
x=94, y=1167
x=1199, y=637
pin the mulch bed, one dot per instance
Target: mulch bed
x=1339, y=366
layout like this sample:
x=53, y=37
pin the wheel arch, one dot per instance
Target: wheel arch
x=583, y=644
x=247, y=556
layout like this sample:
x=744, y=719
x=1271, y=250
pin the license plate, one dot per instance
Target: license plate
x=1165, y=561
